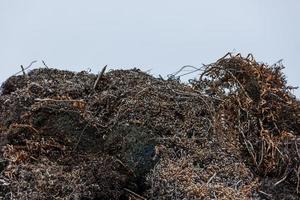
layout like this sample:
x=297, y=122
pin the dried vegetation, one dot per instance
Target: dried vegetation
x=232, y=133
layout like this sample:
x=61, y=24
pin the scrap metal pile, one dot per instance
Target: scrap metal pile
x=232, y=133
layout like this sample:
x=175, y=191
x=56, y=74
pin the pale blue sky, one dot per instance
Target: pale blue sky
x=161, y=35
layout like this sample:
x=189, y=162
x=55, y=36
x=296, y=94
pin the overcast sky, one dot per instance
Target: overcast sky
x=161, y=35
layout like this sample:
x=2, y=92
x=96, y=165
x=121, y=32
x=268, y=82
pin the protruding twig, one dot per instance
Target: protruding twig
x=280, y=181
x=125, y=167
x=135, y=194
x=80, y=135
x=24, y=126
x=45, y=64
x=264, y=193
x=211, y=178
x=194, y=69
x=49, y=73
x=31, y=64
x=100, y=75
x=60, y=100
x=23, y=70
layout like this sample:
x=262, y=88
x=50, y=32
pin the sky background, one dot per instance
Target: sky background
x=156, y=35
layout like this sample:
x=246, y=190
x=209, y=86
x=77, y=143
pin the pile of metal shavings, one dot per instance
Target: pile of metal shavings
x=230, y=134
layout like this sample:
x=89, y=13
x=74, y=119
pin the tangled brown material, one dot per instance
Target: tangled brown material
x=232, y=133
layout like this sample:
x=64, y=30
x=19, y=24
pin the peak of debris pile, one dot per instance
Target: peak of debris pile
x=232, y=133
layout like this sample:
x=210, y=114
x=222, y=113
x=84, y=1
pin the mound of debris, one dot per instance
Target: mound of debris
x=233, y=133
